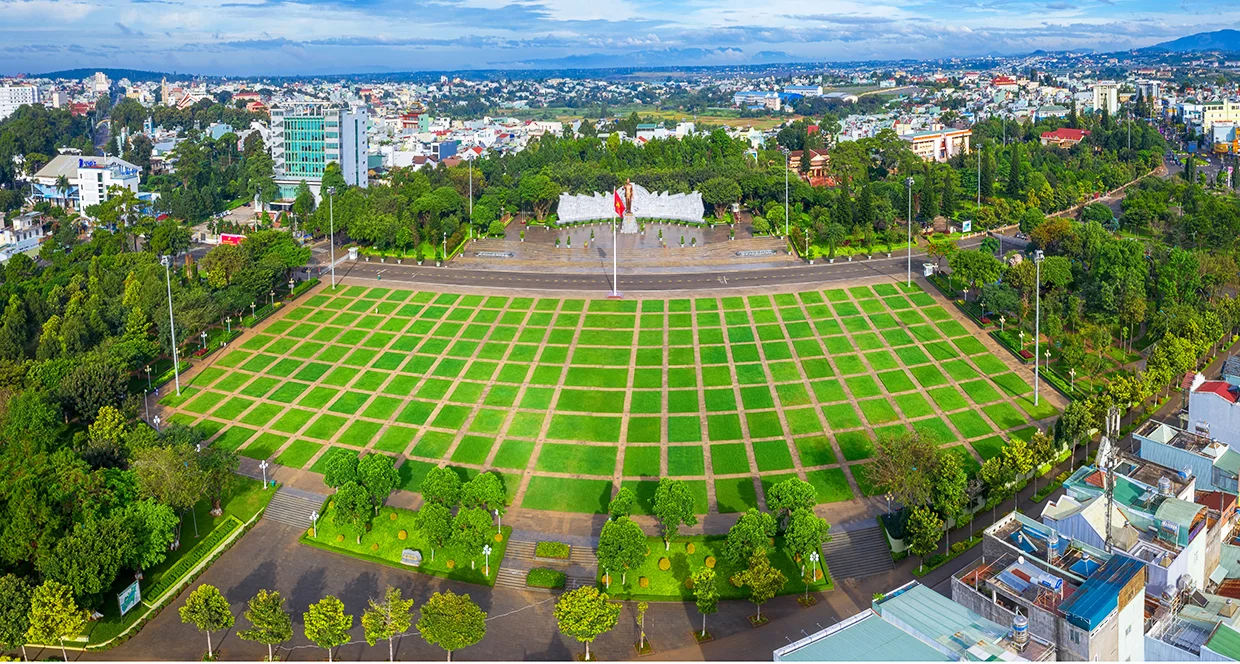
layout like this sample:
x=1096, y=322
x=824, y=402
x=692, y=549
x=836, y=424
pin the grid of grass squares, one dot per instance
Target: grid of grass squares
x=570, y=398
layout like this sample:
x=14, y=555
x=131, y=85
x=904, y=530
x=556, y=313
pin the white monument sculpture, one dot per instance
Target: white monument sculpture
x=641, y=204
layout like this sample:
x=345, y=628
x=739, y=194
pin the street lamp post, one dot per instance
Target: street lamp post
x=263, y=466
x=314, y=523
x=253, y=310
x=148, y=377
x=1072, y=378
x=813, y=561
x=147, y=404
x=445, y=247
x=228, y=322
x=1037, y=319
x=272, y=294
x=908, y=184
x=290, y=287
x=787, y=165
x=172, y=328
x=331, y=230
x=486, y=552
x=156, y=421
x=499, y=522
x=204, y=339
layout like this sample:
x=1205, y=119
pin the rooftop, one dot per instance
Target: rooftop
x=948, y=627
x=1099, y=595
x=865, y=637
x=1225, y=641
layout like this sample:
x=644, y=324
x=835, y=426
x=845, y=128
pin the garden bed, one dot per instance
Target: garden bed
x=383, y=545
x=1013, y=346
x=552, y=551
x=670, y=585
x=938, y=560
x=542, y=577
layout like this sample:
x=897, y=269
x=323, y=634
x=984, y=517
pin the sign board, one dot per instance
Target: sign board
x=966, y=226
x=411, y=557
x=229, y=238
x=130, y=597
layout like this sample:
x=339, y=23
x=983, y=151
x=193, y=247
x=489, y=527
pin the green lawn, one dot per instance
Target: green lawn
x=755, y=388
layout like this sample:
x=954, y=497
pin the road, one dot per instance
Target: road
x=600, y=279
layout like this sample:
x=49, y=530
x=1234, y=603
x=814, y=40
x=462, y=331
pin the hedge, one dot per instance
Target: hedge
x=552, y=550
x=542, y=577
x=196, y=555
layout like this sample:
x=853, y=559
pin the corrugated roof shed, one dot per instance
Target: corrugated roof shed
x=1225, y=641
x=1099, y=595
x=936, y=618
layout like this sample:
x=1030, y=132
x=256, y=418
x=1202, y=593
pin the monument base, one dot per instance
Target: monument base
x=629, y=226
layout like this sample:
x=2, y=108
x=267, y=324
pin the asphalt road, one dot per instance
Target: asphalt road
x=600, y=279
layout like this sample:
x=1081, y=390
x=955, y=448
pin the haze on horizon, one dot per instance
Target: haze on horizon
x=294, y=37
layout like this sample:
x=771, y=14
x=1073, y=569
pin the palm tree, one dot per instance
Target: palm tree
x=62, y=185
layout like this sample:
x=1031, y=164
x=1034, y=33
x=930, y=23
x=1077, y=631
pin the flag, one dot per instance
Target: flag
x=619, y=203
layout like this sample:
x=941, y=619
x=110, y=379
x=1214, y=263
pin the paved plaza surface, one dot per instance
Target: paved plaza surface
x=572, y=398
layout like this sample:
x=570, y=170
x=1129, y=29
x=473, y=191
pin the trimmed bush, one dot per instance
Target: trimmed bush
x=374, y=547
x=689, y=582
x=643, y=582
x=710, y=562
x=339, y=538
x=665, y=564
x=402, y=535
x=451, y=564
x=551, y=550
x=541, y=577
x=392, y=516
x=499, y=537
x=689, y=548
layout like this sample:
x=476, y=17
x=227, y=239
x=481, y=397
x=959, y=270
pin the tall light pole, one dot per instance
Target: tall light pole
x=908, y=185
x=979, y=182
x=787, y=165
x=314, y=523
x=263, y=465
x=615, y=274
x=331, y=221
x=1037, y=317
x=172, y=327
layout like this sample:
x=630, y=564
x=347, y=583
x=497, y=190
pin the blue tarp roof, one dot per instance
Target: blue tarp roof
x=1099, y=595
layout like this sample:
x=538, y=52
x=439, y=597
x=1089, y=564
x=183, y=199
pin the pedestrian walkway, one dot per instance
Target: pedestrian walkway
x=857, y=553
x=293, y=507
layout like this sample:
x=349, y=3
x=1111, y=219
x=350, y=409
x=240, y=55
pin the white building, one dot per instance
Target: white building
x=22, y=234
x=1106, y=96
x=14, y=96
x=91, y=179
x=308, y=135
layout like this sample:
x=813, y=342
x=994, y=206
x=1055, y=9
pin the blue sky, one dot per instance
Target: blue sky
x=256, y=37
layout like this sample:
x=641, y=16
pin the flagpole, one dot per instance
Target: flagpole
x=615, y=285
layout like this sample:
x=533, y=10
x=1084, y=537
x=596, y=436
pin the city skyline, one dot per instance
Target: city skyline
x=280, y=37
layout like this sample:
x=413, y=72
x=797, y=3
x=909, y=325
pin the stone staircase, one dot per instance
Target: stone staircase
x=293, y=507
x=579, y=569
x=508, y=577
x=857, y=553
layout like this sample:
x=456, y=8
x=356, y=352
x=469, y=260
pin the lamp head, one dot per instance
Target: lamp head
x=331, y=191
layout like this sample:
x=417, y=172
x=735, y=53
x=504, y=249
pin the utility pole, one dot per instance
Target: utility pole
x=908, y=184
x=1037, y=318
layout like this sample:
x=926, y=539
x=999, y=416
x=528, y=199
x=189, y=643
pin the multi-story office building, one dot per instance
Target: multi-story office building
x=1106, y=97
x=91, y=180
x=14, y=96
x=308, y=135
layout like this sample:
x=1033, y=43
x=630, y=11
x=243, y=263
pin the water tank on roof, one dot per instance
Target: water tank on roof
x=1164, y=486
x=1020, y=630
x=1185, y=473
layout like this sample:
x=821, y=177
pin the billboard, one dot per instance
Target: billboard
x=130, y=597
x=229, y=238
x=966, y=226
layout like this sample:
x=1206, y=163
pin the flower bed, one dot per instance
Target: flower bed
x=542, y=577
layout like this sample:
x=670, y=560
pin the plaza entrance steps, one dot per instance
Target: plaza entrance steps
x=293, y=507
x=857, y=553
x=508, y=577
x=580, y=569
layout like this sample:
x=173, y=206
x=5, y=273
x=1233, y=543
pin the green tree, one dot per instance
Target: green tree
x=902, y=466
x=948, y=484
x=443, y=486
x=89, y=558
x=925, y=529
x=764, y=580
x=998, y=478
x=15, y=592
x=621, y=546
x=351, y=510
x=622, y=504
x=207, y=610
x=540, y=192
x=584, y=614
x=54, y=616
x=789, y=495
x=152, y=526
x=217, y=467
x=751, y=532
x=486, y=491
x=705, y=594
x=340, y=470
x=1075, y=423
x=1015, y=179
x=471, y=529
x=327, y=625
x=270, y=622
x=387, y=618
x=451, y=621
x=377, y=474
x=975, y=267
x=673, y=507
x=720, y=192
x=806, y=533
x=435, y=522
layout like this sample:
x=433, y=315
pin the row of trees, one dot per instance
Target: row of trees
x=447, y=620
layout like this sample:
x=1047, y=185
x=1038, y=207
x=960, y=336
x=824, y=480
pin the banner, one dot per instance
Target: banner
x=130, y=597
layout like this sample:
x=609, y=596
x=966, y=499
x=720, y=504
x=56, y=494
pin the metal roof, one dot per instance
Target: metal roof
x=863, y=638
x=1099, y=595
x=1225, y=641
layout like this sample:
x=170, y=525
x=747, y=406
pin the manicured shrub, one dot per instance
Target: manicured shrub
x=451, y=564
x=665, y=564
x=643, y=582
x=402, y=535
x=710, y=562
x=689, y=548
x=374, y=547
x=339, y=538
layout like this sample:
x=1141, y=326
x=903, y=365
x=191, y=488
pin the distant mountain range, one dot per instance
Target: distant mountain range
x=1219, y=40
x=135, y=75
